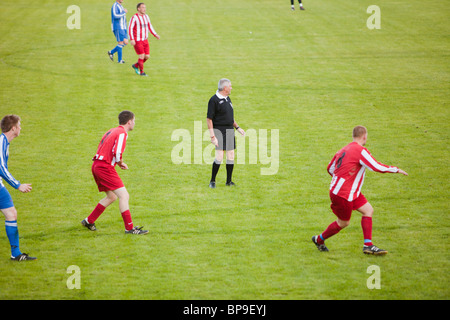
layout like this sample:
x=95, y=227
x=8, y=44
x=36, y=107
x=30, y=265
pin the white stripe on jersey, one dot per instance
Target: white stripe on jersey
x=120, y=16
x=360, y=186
x=333, y=166
x=142, y=24
x=119, y=148
x=356, y=183
x=144, y=27
x=152, y=30
x=375, y=164
x=333, y=181
x=338, y=186
x=138, y=28
x=4, y=152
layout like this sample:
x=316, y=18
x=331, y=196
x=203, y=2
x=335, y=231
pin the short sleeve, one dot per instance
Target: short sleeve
x=211, y=108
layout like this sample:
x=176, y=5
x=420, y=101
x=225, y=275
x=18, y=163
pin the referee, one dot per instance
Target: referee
x=221, y=125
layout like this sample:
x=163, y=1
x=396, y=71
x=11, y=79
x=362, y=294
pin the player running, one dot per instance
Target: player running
x=138, y=30
x=348, y=170
x=109, y=153
x=119, y=28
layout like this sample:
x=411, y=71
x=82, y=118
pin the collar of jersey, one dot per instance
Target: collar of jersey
x=220, y=96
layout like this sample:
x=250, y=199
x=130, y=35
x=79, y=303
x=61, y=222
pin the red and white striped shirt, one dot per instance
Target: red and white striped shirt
x=139, y=27
x=348, y=168
x=112, y=146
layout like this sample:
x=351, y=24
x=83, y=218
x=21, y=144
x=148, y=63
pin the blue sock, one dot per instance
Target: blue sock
x=119, y=52
x=115, y=49
x=13, y=235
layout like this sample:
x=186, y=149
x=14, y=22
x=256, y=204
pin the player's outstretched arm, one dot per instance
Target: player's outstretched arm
x=402, y=172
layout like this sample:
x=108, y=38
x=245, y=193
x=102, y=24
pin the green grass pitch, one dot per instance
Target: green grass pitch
x=312, y=75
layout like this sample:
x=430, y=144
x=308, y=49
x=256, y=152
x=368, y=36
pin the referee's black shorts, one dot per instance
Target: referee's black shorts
x=225, y=138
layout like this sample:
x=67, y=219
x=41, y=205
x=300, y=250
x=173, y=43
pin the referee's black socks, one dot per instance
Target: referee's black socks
x=230, y=167
x=215, y=169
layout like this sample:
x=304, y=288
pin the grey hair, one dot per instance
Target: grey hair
x=222, y=83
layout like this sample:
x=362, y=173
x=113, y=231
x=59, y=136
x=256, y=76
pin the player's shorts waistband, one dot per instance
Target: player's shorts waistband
x=100, y=160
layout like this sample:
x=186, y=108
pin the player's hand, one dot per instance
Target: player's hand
x=123, y=166
x=157, y=37
x=214, y=141
x=133, y=43
x=402, y=172
x=25, y=187
x=241, y=131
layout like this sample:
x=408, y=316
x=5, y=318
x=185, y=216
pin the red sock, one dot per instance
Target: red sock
x=96, y=213
x=141, y=64
x=366, y=224
x=126, y=216
x=332, y=229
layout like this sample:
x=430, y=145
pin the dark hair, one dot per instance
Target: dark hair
x=8, y=122
x=125, y=116
x=139, y=4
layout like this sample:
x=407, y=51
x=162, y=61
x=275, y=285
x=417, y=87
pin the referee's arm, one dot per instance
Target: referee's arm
x=238, y=129
x=211, y=132
x=209, y=120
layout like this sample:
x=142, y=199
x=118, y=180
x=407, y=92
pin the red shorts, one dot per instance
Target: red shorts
x=106, y=176
x=343, y=208
x=142, y=47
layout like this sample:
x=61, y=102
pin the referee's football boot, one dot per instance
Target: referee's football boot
x=374, y=250
x=111, y=56
x=136, y=230
x=321, y=247
x=90, y=226
x=23, y=257
x=136, y=69
x=230, y=184
x=212, y=184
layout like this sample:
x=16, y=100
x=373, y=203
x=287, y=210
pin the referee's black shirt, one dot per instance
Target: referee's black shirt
x=220, y=111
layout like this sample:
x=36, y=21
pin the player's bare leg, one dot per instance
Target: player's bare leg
x=124, y=208
x=110, y=198
x=124, y=198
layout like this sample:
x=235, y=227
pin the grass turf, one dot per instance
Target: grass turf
x=312, y=75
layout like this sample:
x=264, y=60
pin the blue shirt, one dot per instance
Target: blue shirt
x=4, y=155
x=118, y=17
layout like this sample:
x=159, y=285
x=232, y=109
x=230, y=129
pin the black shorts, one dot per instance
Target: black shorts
x=225, y=137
